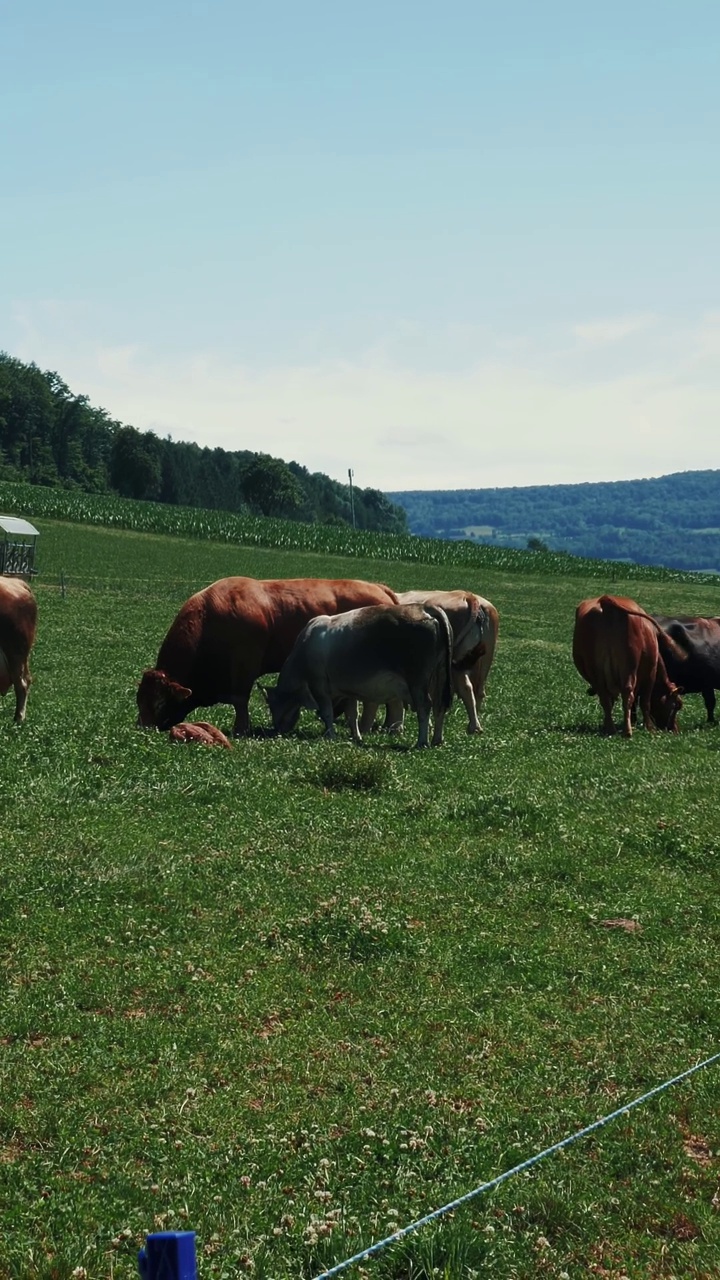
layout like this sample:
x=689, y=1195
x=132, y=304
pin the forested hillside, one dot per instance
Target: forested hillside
x=50, y=436
x=672, y=520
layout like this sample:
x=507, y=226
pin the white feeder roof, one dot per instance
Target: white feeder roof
x=12, y=524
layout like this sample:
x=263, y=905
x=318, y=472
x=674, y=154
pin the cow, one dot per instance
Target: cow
x=697, y=666
x=199, y=731
x=616, y=648
x=18, y=623
x=474, y=623
x=374, y=654
x=235, y=630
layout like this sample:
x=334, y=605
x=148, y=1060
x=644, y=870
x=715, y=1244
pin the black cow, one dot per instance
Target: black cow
x=697, y=667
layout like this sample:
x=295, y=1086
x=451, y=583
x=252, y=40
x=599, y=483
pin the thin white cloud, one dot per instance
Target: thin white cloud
x=532, y=416
x=600, y=333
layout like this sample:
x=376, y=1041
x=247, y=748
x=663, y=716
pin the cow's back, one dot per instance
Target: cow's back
x=238, y=628
x=692, y=658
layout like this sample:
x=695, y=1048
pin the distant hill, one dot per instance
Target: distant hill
x=673, y=520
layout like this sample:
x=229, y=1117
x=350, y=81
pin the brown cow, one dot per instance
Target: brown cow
x=235, y=630
x=616, y=648
x=18, y=621
x=199, y=731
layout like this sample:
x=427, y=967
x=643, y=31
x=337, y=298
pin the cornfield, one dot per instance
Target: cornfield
x=255, y=531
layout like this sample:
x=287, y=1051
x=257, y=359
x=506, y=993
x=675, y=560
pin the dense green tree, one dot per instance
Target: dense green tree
x=270, y=488
x=135, y=466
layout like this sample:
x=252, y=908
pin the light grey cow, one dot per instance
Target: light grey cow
x=377, y=654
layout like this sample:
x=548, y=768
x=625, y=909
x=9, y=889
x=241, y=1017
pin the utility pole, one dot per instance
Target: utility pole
x=352, y=499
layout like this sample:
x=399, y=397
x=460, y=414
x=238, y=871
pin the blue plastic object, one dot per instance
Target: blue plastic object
x=168, y=1255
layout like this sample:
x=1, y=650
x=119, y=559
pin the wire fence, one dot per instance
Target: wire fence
x=171, y=1255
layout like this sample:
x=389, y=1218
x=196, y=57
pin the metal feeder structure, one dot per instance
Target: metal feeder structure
x=18, y=543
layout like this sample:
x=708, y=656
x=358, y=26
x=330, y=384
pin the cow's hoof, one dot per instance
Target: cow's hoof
x=474, y=728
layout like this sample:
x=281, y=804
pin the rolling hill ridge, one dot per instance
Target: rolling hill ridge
x=672, y=520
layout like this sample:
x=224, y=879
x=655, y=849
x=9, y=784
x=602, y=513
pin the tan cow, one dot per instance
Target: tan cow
x=235, y=630
x=474, y=623
x=18, y=623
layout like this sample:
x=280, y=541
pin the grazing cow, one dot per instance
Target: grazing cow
x=616, y=649
x=697, y=665
x=375, y=655
x=199, y=731
x=474, y=623
x=235, y=630
x=18, y=622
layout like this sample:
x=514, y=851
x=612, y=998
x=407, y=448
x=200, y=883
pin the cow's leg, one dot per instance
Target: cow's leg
x=394, y=716
x=642, y=692
x=464, y=690
x=326, y=709
x=421, y=705
x=21, y=684
x=367, y=719
x=709, y=700
x=629, y=695
x=606, y=702
x=438, y=722
x=351, y=715
x=628, y=699
x=241, y=727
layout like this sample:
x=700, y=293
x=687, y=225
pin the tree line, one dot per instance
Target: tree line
x=50, y=436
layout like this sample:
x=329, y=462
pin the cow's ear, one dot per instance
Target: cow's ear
x=179, y=692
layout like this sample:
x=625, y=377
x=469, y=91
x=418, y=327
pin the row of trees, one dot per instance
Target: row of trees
x=688, y=499
x=50, y=436
x=672, y=520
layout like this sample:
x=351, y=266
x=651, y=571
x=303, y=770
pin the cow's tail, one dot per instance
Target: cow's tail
x=667, y=646
x=446, y=690
x=475, y=611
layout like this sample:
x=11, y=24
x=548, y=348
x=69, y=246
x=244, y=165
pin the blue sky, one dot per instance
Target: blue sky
x=449, y=246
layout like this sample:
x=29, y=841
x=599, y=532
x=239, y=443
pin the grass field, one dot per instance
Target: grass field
x=299, y=993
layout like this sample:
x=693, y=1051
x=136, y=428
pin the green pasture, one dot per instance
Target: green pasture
x=295, y=995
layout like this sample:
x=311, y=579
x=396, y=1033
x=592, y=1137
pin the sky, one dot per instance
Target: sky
x=449, y=246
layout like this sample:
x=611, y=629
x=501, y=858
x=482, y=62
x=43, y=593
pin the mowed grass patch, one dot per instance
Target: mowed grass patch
x=296, y=993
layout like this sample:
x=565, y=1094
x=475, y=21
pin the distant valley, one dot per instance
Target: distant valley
x=672, y=520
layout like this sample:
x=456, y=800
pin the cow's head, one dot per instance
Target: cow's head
x=284, y=708
x=162, y=702
x=666, y=702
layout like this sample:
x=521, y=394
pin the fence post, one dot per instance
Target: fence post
x=168, y=1255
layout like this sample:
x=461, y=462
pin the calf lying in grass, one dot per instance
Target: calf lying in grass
x=202, y=732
